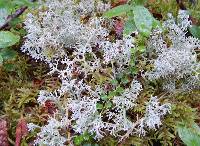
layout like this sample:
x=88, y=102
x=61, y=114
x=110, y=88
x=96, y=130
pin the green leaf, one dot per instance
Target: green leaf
x=125, y=80
x=8, y=54
x=104, y=97
x=78, y=140
x=196, y=128
x=87, y=144
x=117, y=11
x=195, y=31
x=114, y=82
x=8, y=39
x=143, y=20
x=99, y=106
x=134, y=70
x=23, y=3
x=156, y=23
x=86, y=136
x=119, y=90
x=142, y=49
x=5, y=3
x=1, y=60
x=15, y=21
x=129, y=27
x=120, y=76
x=3, y=15
x=108, y=104
x=140, y=2
x=190, y=136
x=9, y=5
x=112, y=94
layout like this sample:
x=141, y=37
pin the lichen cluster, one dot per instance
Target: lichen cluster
x=78, y=46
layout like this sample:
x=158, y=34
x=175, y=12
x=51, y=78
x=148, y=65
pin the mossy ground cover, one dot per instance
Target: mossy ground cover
x=22, y=79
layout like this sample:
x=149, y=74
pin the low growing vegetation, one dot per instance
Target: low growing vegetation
x=99, y=72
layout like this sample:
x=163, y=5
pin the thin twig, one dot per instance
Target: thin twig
x=13, y=16
x=128, y=133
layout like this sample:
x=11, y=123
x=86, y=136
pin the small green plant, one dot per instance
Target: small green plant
x=190, y=135
x=7, y=39
x=195, y=31
x=11, y=29
x=138, y=17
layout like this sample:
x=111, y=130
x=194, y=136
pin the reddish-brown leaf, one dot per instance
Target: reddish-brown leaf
x=119, y=2
x=119, y=26
x=3, y=133
x=21, y=131
x=38, y=83
x=50, y=107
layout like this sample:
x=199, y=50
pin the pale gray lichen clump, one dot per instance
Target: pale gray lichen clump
x=52, y=31
x=176, y=56
x=57, y=36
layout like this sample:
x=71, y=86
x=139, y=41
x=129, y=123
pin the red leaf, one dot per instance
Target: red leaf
x=119, y=26
x=50, y=106
x=3, y=133
x=21, y=131
x=38, y=83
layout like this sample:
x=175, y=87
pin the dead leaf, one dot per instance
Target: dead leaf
x=3, y=133
x=119, y=26
x=21, y=131
x=50, y=107
x=119, y=2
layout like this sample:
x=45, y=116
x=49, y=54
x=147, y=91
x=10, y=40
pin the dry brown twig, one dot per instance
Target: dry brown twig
x=17, y=13
x=13, y=16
